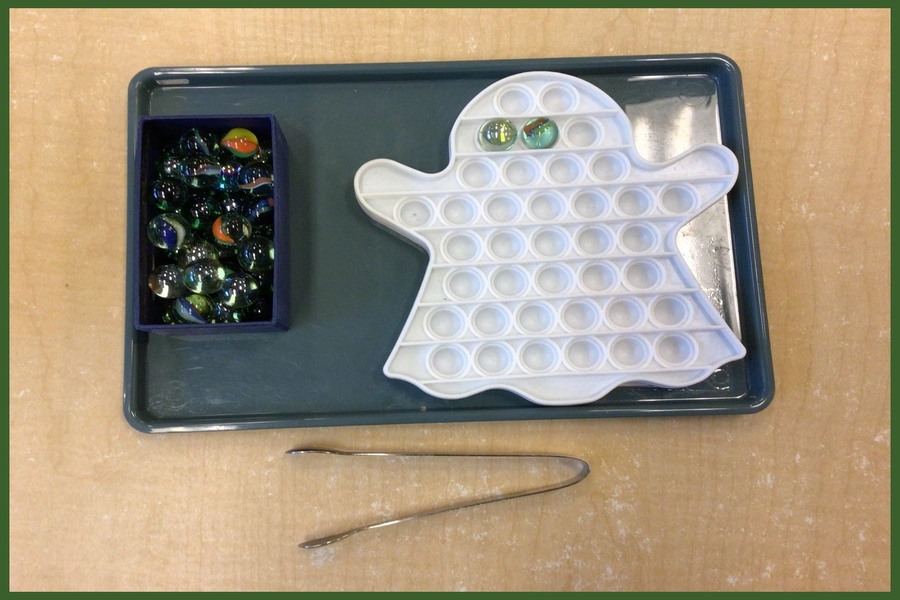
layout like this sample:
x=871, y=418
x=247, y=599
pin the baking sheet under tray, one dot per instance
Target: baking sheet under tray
x=352, y=284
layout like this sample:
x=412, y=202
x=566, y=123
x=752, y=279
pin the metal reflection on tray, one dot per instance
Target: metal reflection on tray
x=666, y=124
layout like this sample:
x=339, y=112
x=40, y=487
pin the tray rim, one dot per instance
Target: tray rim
x=754, y=324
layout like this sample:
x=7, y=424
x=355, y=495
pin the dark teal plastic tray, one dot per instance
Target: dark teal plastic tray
x=351, y=284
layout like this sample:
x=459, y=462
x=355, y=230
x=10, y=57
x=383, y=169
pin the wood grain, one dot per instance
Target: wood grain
x=793, y=498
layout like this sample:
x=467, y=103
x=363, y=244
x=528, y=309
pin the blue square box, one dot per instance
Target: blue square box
x=154, y=135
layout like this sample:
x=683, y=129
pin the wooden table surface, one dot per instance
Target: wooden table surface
x=795, y=497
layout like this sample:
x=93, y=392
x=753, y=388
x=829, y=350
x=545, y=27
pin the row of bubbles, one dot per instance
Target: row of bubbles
x=566, y=168
x=509, y=244
x=542, y=317
x=575, y=355
x=539, y=136
x=546, y=206
x=516, y=100
x=553, y=279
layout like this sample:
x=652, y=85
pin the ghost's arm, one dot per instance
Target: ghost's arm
x=712, y=169
x=390, y=192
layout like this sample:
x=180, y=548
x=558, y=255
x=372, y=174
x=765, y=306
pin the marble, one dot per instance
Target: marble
x=228, y=176
x=194, y=308
x=497, y=135
x=257, y=254
x=167, y=281
x=241, y=142
x=195, y=251
x=168, y=231
x=260, y=211
x=540, y=133
x=196, y=141
x=201, y=209
x=230, y=230
x=239, y=290
x=168, y=194
x=200, y=171
x=256, y=179
x=204, y=276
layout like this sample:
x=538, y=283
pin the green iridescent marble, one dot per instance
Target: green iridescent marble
x=257, y=254
x=204, y=276
x=190, y=253
x=496, y=135
x=540, y=133
x=239, y=290
x=167, y=281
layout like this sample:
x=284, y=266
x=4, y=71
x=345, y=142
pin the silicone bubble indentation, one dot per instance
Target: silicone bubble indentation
x=676, y=350
x=459, y=210
x=583, y=354
x=625, y=313
x=546, y=206
x=448, y=361
x=610, y=166
x=558, y=98
x=642, y=275
x=582, y=133
x=539, y=356
x=462, y=247
x=638, y=238
x=629, y=352
x=506, y=244
x=445, y=323
x=590, y=203
x=634, y=201
x=490, y=320
x=550, y=242
x=598, y=277
x=564, y=169
x=580, y=316
x=503, y=208
x=414, y=212
x=494, y=358
x=514, y=100
x=521, y=171
x=553, y=279
x=535, y=318
x=678, y=199
x=464, y=284
x=594, y=240
x=509, y=281
x=476, y=173
x=670, y=311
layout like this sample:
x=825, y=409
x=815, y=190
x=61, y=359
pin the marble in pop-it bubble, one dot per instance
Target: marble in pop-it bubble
x=553, y=272
x=540, y=133
x=497, y=134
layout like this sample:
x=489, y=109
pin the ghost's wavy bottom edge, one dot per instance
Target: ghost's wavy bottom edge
x=595, y=393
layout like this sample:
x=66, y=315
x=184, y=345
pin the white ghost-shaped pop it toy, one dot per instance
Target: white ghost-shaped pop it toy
x=553, y=272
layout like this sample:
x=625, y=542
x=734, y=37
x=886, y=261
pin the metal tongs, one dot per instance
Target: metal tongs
x=583, y=470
